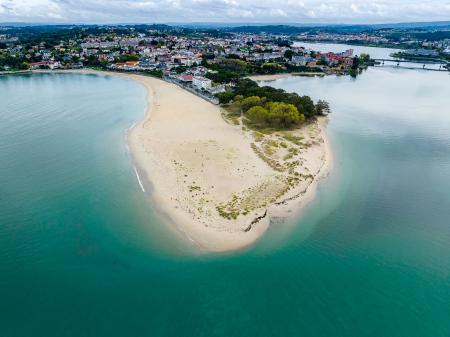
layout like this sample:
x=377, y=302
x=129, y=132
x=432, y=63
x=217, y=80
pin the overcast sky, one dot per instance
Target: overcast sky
x=235, y=11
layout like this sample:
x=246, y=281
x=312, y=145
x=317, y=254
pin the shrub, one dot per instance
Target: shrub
x=257, y=115
x=225, y=97
x=275, y=114
x=283, y=114
x=249, y=102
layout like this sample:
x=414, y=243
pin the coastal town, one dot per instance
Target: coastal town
x=205, y=61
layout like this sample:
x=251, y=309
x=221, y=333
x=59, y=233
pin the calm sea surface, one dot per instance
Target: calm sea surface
x=375, y=53
x=382, y=53
x=83, y=254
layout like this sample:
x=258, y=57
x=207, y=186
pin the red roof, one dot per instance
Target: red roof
x=42, y=63
x=186, y=77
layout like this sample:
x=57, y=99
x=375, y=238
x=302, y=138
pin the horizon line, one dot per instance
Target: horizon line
x=223, y=23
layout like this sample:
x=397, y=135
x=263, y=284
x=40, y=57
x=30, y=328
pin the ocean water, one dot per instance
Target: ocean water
x=82, y=253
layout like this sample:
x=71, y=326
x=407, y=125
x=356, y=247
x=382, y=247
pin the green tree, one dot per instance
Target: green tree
x=271, y=68
x=288, y=54
x=283, y=114
x=355, y=64
x=249, y=102
x=363, y=58
x=322, y=107
x=257, y=115
x=127, y=57
x=225, y=97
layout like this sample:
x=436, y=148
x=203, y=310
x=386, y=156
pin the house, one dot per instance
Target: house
x=217, y=89
x=131, y=64
x=347, y=53
x=331, y=58
x=348, y=61
x=185, y=78
x=301, y=60
x=44, y=64
x=201, y=82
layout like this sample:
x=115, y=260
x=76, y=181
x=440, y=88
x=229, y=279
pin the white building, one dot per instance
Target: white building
x=201, y=82
x=217, y=89
x=300, y=60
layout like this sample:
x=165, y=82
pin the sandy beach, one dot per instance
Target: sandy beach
x=216, y=182
x=209, y=177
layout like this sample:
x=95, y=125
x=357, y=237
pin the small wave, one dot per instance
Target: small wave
x=139, y=180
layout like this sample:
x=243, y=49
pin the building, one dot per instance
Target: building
x=44, y=65
x=217, y=89
x=185, y=78
x=425, y=52
x=331, y=58
x=201, y=82
x=347, y=53
x=301, y=60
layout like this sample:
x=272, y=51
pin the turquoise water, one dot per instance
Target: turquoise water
x=83, y=254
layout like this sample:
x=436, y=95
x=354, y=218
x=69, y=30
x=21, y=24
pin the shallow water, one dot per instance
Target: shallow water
x=83, y=254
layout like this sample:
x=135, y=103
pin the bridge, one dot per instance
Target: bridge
x=443, y=64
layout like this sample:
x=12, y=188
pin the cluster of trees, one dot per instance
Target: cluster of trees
x=127, y=57
x=261, y=112
x=268, y=106
x=359, y=63
x=12, y=61
x=228, y=70
x=154, y=73
x=231, y=69
x=271, y=68
x=304, y=104
x=94, y=62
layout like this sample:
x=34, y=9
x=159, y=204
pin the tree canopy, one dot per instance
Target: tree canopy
x=260, y=112
x=304, y=104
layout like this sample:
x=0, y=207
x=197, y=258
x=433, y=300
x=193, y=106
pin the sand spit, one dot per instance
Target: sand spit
x=216, y=181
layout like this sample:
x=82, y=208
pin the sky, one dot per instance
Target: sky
x=224, y=11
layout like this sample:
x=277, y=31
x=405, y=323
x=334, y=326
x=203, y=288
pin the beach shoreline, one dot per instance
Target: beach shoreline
x=190, y=162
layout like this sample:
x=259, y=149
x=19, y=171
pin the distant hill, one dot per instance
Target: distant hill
x=412, y=25
x=290, y=28
x=298, y=28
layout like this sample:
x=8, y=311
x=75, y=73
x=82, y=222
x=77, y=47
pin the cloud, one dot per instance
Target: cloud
x=245, y=11
x=30, y=9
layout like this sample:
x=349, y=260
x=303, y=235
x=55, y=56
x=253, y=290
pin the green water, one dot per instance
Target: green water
x=83, y=254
